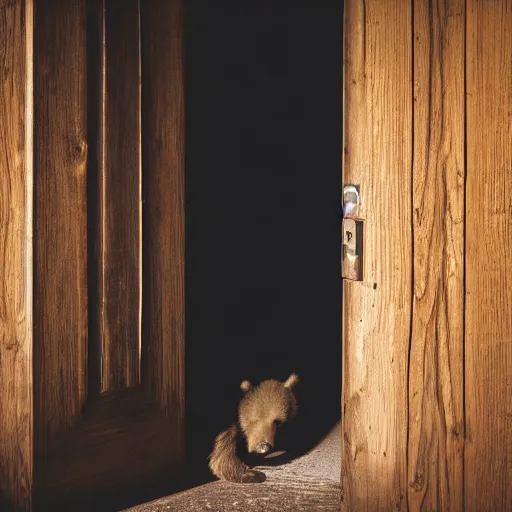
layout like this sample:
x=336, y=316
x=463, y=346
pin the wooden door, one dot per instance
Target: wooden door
x=99, y=114
x=427, y=392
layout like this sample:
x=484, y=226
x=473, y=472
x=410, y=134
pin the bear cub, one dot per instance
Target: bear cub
x=261, y=411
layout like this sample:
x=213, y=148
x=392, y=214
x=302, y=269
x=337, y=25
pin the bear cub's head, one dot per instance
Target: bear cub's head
x=263, y=409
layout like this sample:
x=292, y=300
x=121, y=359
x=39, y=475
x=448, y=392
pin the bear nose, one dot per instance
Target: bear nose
x=263, y=448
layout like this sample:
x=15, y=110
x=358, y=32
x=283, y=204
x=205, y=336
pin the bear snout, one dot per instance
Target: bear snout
x=260, y=438
x=263, y=448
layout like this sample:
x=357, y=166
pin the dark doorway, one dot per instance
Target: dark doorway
x=263, y=179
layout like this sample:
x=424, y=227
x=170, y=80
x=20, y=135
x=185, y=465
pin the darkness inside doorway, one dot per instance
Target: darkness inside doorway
x=263, y=178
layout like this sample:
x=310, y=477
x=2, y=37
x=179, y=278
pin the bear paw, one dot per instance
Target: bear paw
x=253, y=477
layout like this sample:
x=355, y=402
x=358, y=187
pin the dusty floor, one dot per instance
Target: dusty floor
x=307, y=484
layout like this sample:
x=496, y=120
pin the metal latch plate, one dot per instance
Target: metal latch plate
x=352, y=235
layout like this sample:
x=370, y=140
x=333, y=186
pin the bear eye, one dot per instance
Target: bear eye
x=278, y=423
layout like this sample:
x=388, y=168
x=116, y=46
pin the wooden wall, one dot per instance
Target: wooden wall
x=16, y=333
x=427, y=390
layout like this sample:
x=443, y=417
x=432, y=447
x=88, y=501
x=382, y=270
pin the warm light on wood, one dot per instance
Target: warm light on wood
x=376, y=325
x=16, y=213
x=488, y=453
x=427, y=335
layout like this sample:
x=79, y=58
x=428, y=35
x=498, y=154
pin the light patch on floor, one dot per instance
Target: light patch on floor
x=310, y=483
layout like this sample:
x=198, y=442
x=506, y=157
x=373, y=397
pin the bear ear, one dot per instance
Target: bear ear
x=291, y=381
x=245, y=386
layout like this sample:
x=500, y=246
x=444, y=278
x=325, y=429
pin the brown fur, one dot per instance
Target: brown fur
x=262, y=409
x=224, y=462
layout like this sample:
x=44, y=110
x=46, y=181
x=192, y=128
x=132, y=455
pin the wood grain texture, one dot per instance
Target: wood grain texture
x=376, y=312
x=60, y=217
x=120, y=196
x=16, y=120
x=488, y=453
x=163, y=210
x=436, y=386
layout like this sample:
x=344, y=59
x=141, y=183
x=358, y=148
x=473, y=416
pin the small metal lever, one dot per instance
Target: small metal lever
x=352, y=233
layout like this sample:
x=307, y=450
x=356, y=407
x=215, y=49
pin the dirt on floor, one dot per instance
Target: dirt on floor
x=307, y=484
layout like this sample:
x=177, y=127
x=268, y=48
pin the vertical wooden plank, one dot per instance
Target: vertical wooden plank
x=163, y=211
x=120, y=196
x=60, y=219
x=377, y=312
x=488, y=453
x=436, y=388
x=16, y=119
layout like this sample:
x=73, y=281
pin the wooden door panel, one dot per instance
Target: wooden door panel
x=16, y=177
x=163, y=146
x=60, y=219
x=100, y=425
x=376, y=313
x=488, y=294
x=120, y=181
x=450, y=242
x=123, y=441
x=435, y=385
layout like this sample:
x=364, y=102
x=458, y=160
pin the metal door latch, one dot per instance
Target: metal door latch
x=352, y=235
